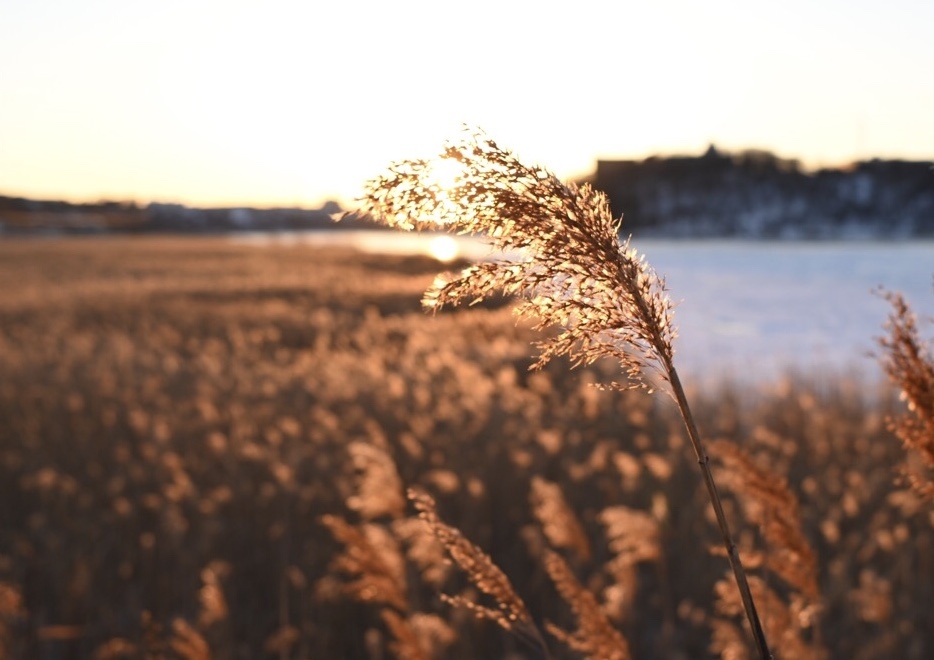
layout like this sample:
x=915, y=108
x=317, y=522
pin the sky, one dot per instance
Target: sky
x=280, y=103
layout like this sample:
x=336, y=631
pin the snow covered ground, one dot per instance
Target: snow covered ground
x=756, y=310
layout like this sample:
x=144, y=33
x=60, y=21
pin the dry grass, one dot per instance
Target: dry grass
x=907, y=360
x=179, y=415
x=560, y=253
x=508, y=610
x=785, y=561
x=596, y=638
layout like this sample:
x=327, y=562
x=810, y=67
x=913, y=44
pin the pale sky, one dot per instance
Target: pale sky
x=292, y=103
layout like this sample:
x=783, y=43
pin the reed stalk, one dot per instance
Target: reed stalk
x=557, y=248
x=736, y=564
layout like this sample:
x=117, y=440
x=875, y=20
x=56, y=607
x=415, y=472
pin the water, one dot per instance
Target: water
x=755, y=310
x=747, y=310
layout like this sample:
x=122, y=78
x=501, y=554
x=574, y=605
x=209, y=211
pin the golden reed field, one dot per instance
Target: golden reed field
x=205, y=450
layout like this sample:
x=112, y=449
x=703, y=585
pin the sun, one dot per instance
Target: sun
x=444, y=173
x=441, y=178
x=443, y=248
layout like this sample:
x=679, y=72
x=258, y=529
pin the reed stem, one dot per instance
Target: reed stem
x=739, y=573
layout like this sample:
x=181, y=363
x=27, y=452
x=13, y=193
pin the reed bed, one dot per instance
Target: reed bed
x=206, y=448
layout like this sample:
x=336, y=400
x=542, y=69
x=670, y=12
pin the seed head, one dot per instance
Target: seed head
x=554, y=245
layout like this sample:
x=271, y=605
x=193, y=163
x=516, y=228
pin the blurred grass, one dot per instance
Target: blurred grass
x=176, y=413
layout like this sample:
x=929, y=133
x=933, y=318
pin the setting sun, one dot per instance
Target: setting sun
x=443, y=248
x=442, y=177
x=445, y=173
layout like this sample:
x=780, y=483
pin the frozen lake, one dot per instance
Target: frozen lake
x=751, y=310
x=760, y=308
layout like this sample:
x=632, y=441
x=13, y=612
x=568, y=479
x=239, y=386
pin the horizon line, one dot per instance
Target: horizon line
x=323, y=201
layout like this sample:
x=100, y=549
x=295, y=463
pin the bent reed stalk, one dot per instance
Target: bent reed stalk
x=561, y=255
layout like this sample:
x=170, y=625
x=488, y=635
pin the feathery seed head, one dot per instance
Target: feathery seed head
x=559, y=252
x=510, y=612
x=909, y=364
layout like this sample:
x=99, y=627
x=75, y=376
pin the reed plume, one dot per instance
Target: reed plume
x=116, y=648
x=378, y=487
x=772, y=507
x=561, y=254
x=633, y=537
x=768, y=503
x=784, y=623
x=187, y=642
x=371, y=570
x=374, y=573
x=908, y=362
x=211, y=596
x=405, y=644
x=509, y=611
x=560, y=524
x=596, y=637
x=11, y=612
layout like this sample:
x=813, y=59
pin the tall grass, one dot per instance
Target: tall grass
x=183, y=422
x=907, y=360
x=570, y=271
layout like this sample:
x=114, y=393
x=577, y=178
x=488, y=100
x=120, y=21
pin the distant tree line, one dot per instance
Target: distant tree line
x=754, y=193
x=747, y=194
x=21, y=215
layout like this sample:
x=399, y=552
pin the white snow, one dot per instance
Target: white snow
x=756, y=310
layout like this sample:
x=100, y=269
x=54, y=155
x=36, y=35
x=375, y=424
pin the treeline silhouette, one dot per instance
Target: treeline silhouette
x=747, y=194
x=755, y=194
x=28, y=216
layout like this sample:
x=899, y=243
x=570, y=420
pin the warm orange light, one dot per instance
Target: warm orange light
x=445, y=173
x=443, y=248
x=442, y=177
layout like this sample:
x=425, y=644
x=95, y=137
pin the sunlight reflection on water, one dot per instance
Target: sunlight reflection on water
x=440, y=245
